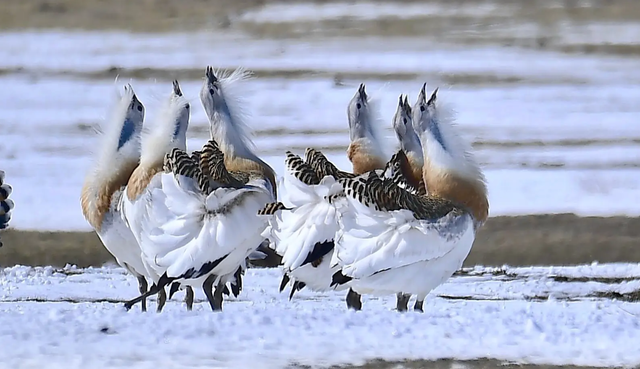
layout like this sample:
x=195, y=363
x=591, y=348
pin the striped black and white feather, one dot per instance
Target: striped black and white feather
x=6, y=204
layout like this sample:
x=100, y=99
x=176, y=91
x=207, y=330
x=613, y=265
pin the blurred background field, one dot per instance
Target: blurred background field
x=546, y=90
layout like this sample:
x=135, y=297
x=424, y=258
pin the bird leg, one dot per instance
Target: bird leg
x=217, y=296
x=142, y=287
x=207, y=286
x=418, y=305
x=188, y=298
x=283, y=283
x=402, y=302
x=152, y=291
x=353, y=300
x=162, y=299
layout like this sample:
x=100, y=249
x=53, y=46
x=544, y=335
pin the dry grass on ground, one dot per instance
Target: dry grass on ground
x=562, y=239
x=165, y=74
x=539, y=25
x=450, y=364
x=165, y=15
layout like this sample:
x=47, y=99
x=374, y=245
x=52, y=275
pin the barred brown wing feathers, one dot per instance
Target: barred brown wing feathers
x=432, y=207
x=384, y=194
x=398, y=169
x=212, y=162
x=181, y=163
x=381, y=192
x=214, y=168
x=242, y=178
x=422, y=188
x=422, y=207
x=272, y=208
x=195, y=155
x=301, y=170
x=323, y=167
x=357, y=189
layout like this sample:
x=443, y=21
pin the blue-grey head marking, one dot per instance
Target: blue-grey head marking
x=179, y=124
x=133, y=119
x=178, y=92
x=429, y=106
x=212, y=90
x=128, y=129
x=403, y=126
x=434, y=127
x=177, y=130
x=224, y=110
x=359, y=115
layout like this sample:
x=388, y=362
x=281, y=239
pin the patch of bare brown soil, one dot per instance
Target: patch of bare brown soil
x=561, y=239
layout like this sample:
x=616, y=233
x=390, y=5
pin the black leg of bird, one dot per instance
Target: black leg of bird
x=207, y=286
x=418, y=306
x=354, y=300
x=402, y=303
x=142, y=287
x=218, y=297
x=188, y=299
x=162, y=300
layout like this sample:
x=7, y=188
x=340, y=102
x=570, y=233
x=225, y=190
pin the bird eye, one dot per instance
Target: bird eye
x=139, y=107
x=211, y=91
x=422, y=108
x=358, y=105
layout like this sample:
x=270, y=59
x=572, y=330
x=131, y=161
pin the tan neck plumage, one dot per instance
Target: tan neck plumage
x=414, y=174
x=470, y=193
x=95, y=199
x=362, y=160
x=141, y=178
x=234, y=163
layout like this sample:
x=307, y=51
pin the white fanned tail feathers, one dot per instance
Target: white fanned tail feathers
x=303, y=233
x=304, y=226
x=202, y=234
x=398, y=242
x=400, y=254
x=382, y=239
x=198, y=223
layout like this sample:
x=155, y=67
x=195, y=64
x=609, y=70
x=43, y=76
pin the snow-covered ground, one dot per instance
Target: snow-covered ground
x=74, y=318
x=555, y=133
